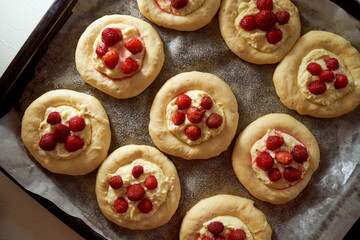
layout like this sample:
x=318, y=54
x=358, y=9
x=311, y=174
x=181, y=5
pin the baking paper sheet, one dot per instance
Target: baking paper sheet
x=327, y=207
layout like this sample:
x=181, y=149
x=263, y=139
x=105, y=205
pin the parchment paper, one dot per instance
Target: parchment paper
x=327, y=207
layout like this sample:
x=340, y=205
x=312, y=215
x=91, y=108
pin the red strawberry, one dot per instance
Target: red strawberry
x=135, y=192
x=264, y=161
x=317, y=87
x=265, y=20
x=137, y=171
x=47, y=142
x=248, y=23
x=61, y=132
x=264, y=4
x=151, y=182
x=292, y=174
x=129, y=66
x=314, y=68
x=53, y=118
x=218, y=238
x=341, y=81
x=237, y=234
x=134, y=46
x=183, y=101
x=274, y=174
x=178, y=118
x=274, y=35
x=77, y=124
x=111, y=59
x=215, y=227
x=193, y=132
x=111, y=36
x=73, y=143
x=274, y=142
x=206, y=103
x=282, y=17
x=116, y=182
x=284, y=157
x=204, y=238
x=195, y=114
x=214, y=121
x=326, y=76
x=177, y=4
x=145, y=205
x=101, y=49
x=332, y=63
x=121, y=205
x=299, y=153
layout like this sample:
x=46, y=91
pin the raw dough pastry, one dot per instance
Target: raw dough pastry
x=150, y=59
x=248, y=171
x=193, y=16
x=221, y=95
x=164, y=196
x=61, y=156
x=317, y=46
x=240, y=211
x=253, y=45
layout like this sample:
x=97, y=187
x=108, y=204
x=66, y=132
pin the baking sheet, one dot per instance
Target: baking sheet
x=327, y=207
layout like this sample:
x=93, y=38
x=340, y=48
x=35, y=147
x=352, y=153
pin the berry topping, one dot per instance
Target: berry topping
x=265, y=20
x=274, y=36
x=151, y=182
x=53, y=118
x=218, y=238
x=121, y=205
x=178, y=118
x=215, y=227
x=292, y=174
x=248, y=23
x=183, y=101
x=116, y=182
x=73, y=143
x=134, y=46
x=314, y=68
x=317, y=87
x=332, y=63
x=282, y=17
x=341, y=81
x=111, y=59
x=195, y=114
x=214, y=120
x=264, y=161
x=137, y=171
x=145, y=206
x=284, y=157
x=101, y=49
x=135, y=192
x=326, y=76
x=129, y=66
x=61, y=132
x=177, y=4
x=274, y=174
x=193, y=132
x=237, y=234
x=204, y=238
x=77, y=124
x=264, y=4
x=206, y=103
x=274, y=142
x=299, y=153
x=47, y=142
x=111, y=36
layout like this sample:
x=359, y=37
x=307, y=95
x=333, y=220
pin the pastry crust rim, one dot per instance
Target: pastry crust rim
x=89, y=159
x=224, y=204
x=241, y=160
x=129, y=87
x=182, y=83
x=125, y=155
